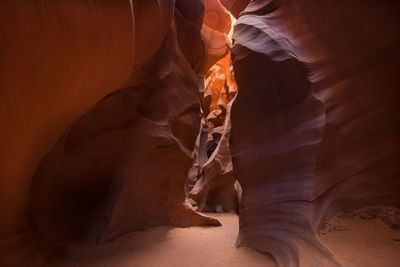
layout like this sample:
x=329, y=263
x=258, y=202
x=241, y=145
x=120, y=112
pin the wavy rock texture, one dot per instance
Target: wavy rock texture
x=216, y=26
x=56, y=59
x=235, y=6
x=123, y=165
x=210, y=180
x=220, y=88
x=315, y=128
x=189, y=17
x=214, y=188
x=193, y=10
x=59, y=59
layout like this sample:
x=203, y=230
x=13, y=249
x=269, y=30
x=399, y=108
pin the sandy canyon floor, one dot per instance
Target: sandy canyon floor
x=356, y=239
x=366, y=238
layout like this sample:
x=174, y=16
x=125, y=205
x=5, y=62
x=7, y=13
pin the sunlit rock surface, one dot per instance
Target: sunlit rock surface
x=214, y=31
x=215, y=190
x=220, y=88
x=210, y=180
x=315, y=128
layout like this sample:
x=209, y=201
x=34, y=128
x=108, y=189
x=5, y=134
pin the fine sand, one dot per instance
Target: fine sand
x=354, y=240
x=175, y=247
x=363, y=238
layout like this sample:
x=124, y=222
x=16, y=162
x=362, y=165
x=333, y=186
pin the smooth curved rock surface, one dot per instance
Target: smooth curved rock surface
x=122, y=166
x=216, y=26
x=220, y=89
x=235, y=6
x=215, y=189
x=193, y=10
x=88, y=187
x=56, y=60
x=211, y=181
x=315, y=128
x=188, y=19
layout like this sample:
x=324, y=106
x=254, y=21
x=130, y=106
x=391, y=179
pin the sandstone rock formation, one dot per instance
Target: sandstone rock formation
x=123, y=165
x=210, y=180
x=189, y=20
x=214, y=188
x=220, y=88
x=315, y=127
x=235, y=6
x=102, y=178
x=216, y=26
x=56, y=61
x=101, y=105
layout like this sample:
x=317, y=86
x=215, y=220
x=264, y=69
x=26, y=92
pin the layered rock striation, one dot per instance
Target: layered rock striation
x=122, y=165
x=314, y=126
x=211, y=182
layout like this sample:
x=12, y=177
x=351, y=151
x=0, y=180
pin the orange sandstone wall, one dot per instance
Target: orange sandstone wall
x=56, y=59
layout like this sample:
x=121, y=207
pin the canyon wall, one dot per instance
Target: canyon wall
x=235, y=6
x=56, y=60
x=122, y=165
x=315, y=126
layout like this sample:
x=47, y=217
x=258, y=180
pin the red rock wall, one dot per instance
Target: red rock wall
x=56, y=59
x=216, y=26
x=122, y=165
x=315, y=126
x=235, y=6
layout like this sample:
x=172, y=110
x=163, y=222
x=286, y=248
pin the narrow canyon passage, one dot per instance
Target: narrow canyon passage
x=199, y=133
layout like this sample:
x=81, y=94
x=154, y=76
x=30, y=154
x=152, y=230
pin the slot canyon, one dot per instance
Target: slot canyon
x=232, y=133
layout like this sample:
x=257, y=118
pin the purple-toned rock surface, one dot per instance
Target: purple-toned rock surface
x=315, y=126
x=215, y=191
